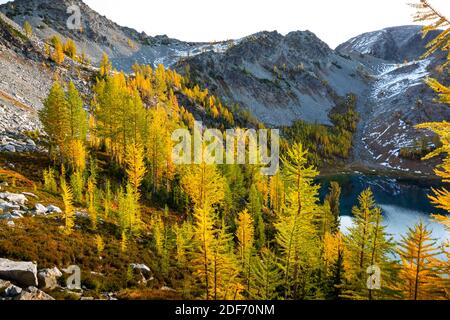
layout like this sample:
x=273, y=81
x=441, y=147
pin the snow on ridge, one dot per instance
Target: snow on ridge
x=364, y=43
x=176, y=54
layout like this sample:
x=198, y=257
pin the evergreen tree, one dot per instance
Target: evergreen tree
x=70, y=49
x=129, y=213
x=245, y=241
x=367, y=245
x=159, y=147
x=107, y=201
x=267, y=276
x=203, y=252
x=28, y=29
x=296, y=235
x=55, y=120
x=58, y=52
x=255, y=209
x=333, y=199
x=204, y=184
x=77, y=182
x=419, y=273
x=105, y=66
x=92, y=193
x=69, y=209
x=135, y=166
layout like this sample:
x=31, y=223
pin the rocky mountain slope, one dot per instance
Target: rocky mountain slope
x=25, y=80
x=395, y=44
x=100, y=35
x=278, y=78
x=397, y=98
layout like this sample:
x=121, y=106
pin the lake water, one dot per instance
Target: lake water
x=404, y=201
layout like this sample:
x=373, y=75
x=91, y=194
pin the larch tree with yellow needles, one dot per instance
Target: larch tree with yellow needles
x=204, y=184
x=245, y=244
x=55, y=120
x=203, y=252
x=69, y=209
x=105, y=66
x=28, y=29
x=296, y=234
x=267, y=276
x=135, y=166
x=367, y=244
x=419, y=268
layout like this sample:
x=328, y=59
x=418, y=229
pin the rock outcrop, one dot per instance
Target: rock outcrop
x=48, y=278
x=21, y=273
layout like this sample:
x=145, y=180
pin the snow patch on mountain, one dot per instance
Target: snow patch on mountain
x=395, y=79
x=364, y=44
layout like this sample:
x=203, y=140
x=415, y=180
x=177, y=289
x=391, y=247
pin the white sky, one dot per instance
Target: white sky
x=334, y=21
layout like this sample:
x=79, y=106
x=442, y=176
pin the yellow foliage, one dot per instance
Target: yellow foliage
x=105, y=66
x=100, y=244
x=77, y=155
x=135, y=166
x=204, y=184
x=419, y=271
x=69, y=209
x=28, y=29
x=70, y=48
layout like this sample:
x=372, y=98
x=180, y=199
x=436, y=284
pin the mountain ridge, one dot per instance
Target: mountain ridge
x=278, y=78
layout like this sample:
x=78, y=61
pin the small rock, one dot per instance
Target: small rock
x=13, y=291
x=6, y=206
x=29, y=194
x=17, y=214
x=53, y=209
x=6, y=216
x=11, y=224
x=168, y=289
x=82, y=214
x=4, y=284
x=9, y=148
x=31, y=143
x=40, y=209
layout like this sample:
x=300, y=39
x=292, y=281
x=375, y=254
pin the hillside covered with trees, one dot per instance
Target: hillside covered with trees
x=141, y=227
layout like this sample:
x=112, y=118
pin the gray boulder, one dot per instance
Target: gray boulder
x=18, y=199
x=48, y=278
x=53, y=209
x=9, y=148
x=29, y=194
x=17, y=214
x=40, y=209
x=12, y=291
x=141, y=268
x=21, y=273
x=7, y=206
